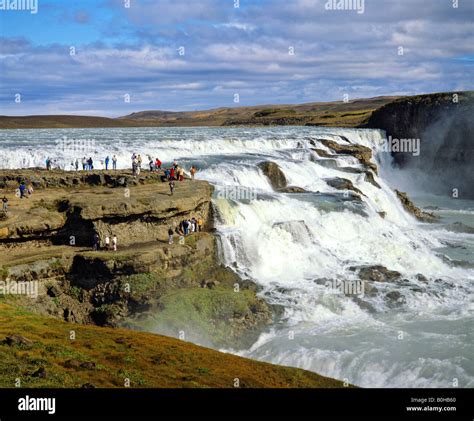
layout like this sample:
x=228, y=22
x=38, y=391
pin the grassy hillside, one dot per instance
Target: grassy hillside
x=46, y=356
x=343, y=114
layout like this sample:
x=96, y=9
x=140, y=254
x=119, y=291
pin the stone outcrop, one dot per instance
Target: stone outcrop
x=274, y=174
x=47, y=238
x=342, y=184
x=136, y=214
x=414, y=210
x=362, y=153
x=376, y=273
x=292, y=189
x=444, y=126
x=40, y=179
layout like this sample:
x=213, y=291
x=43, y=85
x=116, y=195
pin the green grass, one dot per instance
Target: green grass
x=146, y=359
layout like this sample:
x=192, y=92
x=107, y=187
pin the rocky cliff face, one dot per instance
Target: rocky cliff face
x=147, y=283
x=444, y=124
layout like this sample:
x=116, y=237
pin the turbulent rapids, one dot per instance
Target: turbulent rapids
x=407, y=321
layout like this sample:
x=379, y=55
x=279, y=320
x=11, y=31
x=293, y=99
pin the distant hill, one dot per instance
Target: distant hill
x=57, y=121
x=343, y=114
x=339, y=113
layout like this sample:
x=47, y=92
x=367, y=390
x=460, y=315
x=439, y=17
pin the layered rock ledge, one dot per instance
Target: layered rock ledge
x=147, y=283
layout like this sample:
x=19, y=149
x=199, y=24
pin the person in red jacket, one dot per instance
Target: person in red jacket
x=172, y=173
x=158, y=163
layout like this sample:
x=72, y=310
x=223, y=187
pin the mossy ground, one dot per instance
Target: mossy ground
x=106, y=357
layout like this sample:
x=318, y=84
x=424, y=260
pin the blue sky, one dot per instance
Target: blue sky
x=264, y=51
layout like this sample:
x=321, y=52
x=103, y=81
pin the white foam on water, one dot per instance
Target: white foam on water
x=290, y=243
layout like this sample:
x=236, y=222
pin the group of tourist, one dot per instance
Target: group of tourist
x=51, y=163
x=23, y=192
x=96, y=242
x=186, y=227
x=87, y=163
x=174, y=173
x=136, y=164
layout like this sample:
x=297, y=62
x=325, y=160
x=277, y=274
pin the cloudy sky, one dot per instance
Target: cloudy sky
x=100, y=57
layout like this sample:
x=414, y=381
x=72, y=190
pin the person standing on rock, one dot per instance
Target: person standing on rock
x=171, y=183
x=139, y=159
x=90, y=162
x=187, y=226
x=5, y=204
x=192, y=171
x=200, y=224
x=107, y=242
x=107, y=159
x=22, y=189
x=84, y=163
x=76, y=164
x=114, y=162
x=95, y=242
x=114, y=242
x=170, y=235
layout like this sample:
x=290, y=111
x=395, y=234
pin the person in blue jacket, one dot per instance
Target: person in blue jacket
x=107, y=159
x=22, y=190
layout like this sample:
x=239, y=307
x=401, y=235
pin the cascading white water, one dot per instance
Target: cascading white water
x=292, y=244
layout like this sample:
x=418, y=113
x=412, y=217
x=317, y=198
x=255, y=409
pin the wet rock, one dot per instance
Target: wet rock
x=274, y=174
x=421, y=278
x=342, y=184
x=292, y=189
x=364, y=305
x=377, y=273
x=395, y=298
x=460, y=227
x=322, y=153
x=362, y=153
x=414, y=210
x=370, y=290
x=382, y=214
x=369, y=177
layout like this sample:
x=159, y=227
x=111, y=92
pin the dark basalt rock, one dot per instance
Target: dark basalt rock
x=342, y=184
x=414, y=210
x=395, y=298
x=362, y=153
x=274, y=174
x=444, y=125
x=292, y=189
x=376, y=273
